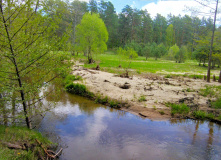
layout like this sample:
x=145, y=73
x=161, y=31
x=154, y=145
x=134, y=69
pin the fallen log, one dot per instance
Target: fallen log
x=47, y=152
x=14, y=146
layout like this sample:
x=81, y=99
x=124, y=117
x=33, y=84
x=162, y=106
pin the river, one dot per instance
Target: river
x=89, y=131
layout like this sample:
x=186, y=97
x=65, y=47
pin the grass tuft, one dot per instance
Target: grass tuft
x=142, y=98
x=180, y=109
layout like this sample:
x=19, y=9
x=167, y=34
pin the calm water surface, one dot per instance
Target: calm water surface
x=89, y=131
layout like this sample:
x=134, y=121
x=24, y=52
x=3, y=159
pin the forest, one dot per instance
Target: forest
x=172, y=37
x=41, y=39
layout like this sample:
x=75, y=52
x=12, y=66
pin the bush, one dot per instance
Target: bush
x=76, y=88
x=180, y=109
x=101, y=100
x=113, y=104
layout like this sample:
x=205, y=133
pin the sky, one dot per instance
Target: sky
x=163, y=7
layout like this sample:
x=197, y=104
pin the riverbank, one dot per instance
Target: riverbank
x=148, y=95
x=22, y=143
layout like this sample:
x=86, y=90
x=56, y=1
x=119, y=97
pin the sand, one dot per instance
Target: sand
x=156, y=89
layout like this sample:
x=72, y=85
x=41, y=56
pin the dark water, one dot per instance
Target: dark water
x=89, y=131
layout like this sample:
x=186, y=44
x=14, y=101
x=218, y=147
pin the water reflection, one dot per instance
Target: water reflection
x=90, y=131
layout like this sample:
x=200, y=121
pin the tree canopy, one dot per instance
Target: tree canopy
x=92, y=35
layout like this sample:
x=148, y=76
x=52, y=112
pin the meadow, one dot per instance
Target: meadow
x=110, y=62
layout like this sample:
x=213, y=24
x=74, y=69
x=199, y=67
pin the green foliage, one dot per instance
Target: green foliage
x=101, y=100
x=170, y=35
x=146, y=51
x=76, y=88
x=173, y=51
x=181, y=55
x=70, y=78
x=135, y=46
x=162, y=49
x=114, y=104
x=155, y=51
x=217, y=104
x=199, y=114
x=142, y=98
x=211, y=91
x=110, y=62
x=92, y=35
x=180, y=109
x=168, y=76
x=21, y=135
x=131, y=53
x=128, y=53
x=30, y=56
x=203, y=115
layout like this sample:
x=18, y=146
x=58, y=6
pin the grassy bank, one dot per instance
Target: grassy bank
x=20, y=143
x=110, y=62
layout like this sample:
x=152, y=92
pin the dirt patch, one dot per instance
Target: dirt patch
x=155, y=90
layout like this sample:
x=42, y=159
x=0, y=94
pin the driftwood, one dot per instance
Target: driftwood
x=14, y=146
x=49, y=153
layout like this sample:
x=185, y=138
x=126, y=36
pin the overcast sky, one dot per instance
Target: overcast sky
x=163, y=7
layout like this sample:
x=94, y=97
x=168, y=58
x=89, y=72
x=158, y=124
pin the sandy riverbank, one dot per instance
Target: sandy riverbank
x=156, y=89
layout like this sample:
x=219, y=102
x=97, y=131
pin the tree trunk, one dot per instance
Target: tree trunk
x=211, y=46
x=16, y=70
x=219, y=77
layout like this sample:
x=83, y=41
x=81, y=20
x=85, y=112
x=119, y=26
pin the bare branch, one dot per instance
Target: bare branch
x=204, y=5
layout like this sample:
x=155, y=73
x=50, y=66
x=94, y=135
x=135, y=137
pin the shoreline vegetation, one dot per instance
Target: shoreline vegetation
x=149, y=95
x=23, y=143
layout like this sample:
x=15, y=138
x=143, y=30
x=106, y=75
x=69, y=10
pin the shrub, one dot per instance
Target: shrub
x=76, y=88
x=101, y=100
x=113, y=104
x=180, y=109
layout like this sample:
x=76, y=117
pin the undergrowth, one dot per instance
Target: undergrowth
x=21, y=135
x=79, y=89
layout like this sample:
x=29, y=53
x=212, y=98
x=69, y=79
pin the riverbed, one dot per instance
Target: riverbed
x=92, y=131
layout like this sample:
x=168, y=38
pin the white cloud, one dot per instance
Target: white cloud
x=174, y=7
x=84, y=0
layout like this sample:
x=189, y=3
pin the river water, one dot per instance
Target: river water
x=89, y=131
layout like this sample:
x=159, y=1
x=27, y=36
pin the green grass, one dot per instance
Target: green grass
x=21, y=135
x=79, y=89
x=217, y=104
x=113, y=104
x=142, y=98
x=179, y=109
x=203, y=115
x=211, y=91
x=70, y=78
x=110, y=62
x=101, y=100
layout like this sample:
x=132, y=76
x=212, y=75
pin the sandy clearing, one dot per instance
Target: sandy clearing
x=156, y=89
